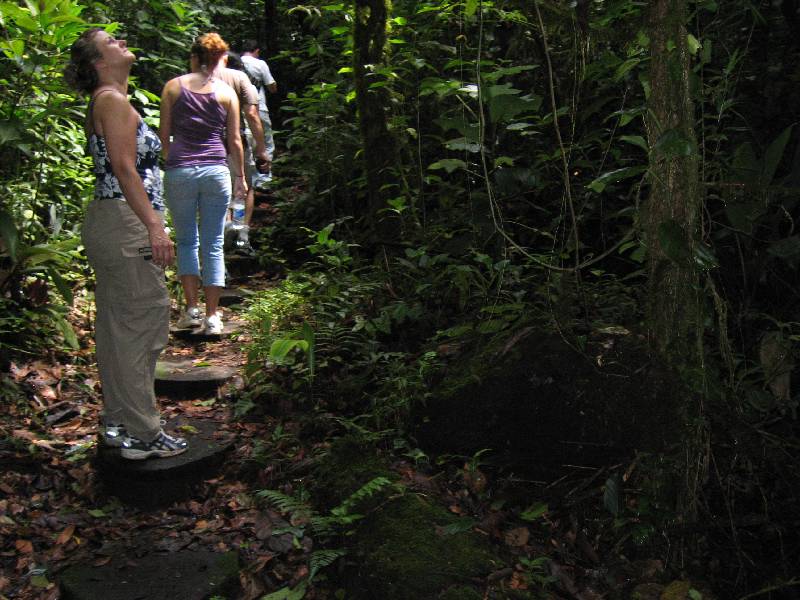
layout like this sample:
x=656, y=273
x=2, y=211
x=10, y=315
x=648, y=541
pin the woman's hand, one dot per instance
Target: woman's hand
x=239, y=188
x=162, y=247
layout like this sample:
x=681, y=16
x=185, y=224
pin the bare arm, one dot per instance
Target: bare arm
x=257, y=129
x=272, y=87
x=118, y=122
x=234, y=140
x=168, y=96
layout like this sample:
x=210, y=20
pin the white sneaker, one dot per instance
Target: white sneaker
x=213, y=325
x=191, y=317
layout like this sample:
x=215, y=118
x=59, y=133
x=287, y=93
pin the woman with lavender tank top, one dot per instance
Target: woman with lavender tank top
x=199, y=125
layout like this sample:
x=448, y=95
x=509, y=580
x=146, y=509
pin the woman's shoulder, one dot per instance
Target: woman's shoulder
x=110, y=101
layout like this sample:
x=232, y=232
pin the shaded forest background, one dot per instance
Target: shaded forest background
x=452, y=174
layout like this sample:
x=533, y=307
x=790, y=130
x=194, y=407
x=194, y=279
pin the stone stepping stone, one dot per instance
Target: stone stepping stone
x=239, y=266
x=159, y=482
x=197, y=334
x=182, y=575
x=231, y=296
x=186, y=379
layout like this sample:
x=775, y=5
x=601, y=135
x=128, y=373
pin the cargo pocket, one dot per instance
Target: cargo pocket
x=146, y=284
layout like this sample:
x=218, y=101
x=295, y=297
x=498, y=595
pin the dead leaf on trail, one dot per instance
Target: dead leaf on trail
x=23, y=546
x=4, y=581
x=65, y=535
x=99, y=562
x=252, y=586
x=24, y=434
x=201, y=525
x=517, y=537
x=263, y=529
x=518, y=581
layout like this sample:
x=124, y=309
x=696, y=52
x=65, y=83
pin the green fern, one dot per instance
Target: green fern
x=284, y=503
x=323, y=558
x=367, y=490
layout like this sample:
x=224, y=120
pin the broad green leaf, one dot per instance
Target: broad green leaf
x=693, y=44
x=743, y=214
x=773, y=156
x=61, y=285
x=612, y=494
x=9, y=235
x=673, y=144
x=281, y=348
x=69, y=337
x=11, y=131
x=787, y=249
x=533, y=513
x=287, y=593
x=463, y=144
x=636, y=140
x=625, y=67
x=704, y=257
x=746, y=167
x=470, y=7
x=309, y=338
x=460, y=526
x=448, y=164
x=599, y=184
x=674, y=242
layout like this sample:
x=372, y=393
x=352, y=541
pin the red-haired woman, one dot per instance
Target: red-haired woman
x=199, y=127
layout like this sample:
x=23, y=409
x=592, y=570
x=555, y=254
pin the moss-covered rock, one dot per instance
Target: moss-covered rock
x=404, y=552
x=461, y=592
x=350, y=464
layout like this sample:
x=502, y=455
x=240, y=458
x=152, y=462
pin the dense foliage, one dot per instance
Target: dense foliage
x=514, y=196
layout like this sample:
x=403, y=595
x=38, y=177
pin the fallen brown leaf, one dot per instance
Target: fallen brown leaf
x=517, y=537
x=65, y=535
x=24, y=546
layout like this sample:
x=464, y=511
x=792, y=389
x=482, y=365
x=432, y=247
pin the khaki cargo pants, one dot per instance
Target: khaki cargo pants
x=132, y=324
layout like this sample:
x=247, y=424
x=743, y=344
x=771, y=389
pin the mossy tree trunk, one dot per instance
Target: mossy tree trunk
x=670, y=225
x=670, y=217
x=372, y=101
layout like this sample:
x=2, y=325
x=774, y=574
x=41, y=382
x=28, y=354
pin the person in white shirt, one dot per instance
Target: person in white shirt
x=260, y=75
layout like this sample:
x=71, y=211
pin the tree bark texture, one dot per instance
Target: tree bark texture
x=372, y=101
x=670, y=216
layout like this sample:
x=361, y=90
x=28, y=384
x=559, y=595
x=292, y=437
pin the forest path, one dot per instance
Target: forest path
x=80, y=522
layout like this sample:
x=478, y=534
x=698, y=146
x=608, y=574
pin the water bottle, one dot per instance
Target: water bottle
x=237, y=219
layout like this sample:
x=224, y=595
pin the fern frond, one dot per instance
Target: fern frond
x=284, y=503
x=367, y=490
x=323, y=558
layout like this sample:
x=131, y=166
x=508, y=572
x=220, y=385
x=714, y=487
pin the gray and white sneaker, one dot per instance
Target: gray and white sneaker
x=162, y=446
x=191, y=317
x=112, y=435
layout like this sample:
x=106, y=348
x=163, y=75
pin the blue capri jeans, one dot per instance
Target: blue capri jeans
x=197, y=198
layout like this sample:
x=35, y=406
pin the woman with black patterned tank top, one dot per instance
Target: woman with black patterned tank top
x=127, y=247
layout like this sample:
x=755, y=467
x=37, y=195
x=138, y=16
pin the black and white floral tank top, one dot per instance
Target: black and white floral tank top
x=148, y=148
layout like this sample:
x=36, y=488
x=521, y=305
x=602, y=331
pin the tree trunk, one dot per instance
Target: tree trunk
x=670, y=217
x=670, y=222
x=370, y=40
